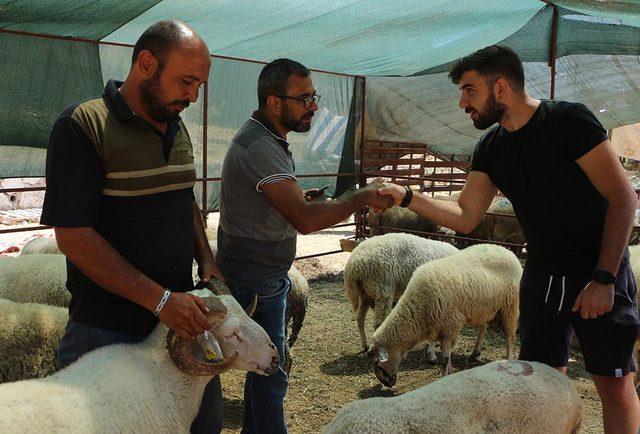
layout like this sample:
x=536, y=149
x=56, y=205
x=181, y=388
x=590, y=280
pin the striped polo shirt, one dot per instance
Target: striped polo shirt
x=256, y=244
x=111, y=170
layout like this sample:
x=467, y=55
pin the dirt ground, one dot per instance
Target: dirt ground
x=328, y=373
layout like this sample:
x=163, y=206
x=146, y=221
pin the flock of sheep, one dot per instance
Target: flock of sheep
x=419, y=290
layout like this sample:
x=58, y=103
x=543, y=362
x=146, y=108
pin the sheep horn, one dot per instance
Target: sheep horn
x=215, y=306
x=218, y=288
x=252, y=307
x=215, y=286
x=181, y=352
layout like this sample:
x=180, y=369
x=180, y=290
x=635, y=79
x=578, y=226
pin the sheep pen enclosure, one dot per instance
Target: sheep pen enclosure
x=328, y=372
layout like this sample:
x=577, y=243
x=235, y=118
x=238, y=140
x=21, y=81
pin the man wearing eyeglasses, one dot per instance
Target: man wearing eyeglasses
x=262, y=208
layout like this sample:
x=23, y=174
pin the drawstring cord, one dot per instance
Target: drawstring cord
x=546, y=297
x=548, y=290
x=562, y=296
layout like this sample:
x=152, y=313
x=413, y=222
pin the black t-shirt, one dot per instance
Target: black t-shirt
x=561, y=212
x=145, y=215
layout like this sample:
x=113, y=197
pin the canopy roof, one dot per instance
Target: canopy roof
x=595, y=41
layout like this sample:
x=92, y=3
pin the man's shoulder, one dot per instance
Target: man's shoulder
x=559, y=109
x=489, y=139
x=89, y=109
x=252, y=136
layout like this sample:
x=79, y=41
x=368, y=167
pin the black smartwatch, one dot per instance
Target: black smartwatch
x=603, y=277
x=408, y=195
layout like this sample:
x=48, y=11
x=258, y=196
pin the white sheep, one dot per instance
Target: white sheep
x=506, y=397
x=138, y=387
x=296, y=310
x=472, y=287
x=35, y=278
x=41, y=245
x=379, y=270
x=499, y=224
x=29, y=336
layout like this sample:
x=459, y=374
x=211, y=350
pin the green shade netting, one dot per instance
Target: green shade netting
x=40, y=77
x=597, y=44
x=80, y=19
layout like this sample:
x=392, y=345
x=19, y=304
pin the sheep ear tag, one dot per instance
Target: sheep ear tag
x=384, y=355
x=205, y=348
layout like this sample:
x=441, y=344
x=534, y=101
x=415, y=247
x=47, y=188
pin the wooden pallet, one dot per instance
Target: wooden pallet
x=12, y=217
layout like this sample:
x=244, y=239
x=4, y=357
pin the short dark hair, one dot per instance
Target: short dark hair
x=491, y=62
x=161, y=38
x=274, y=76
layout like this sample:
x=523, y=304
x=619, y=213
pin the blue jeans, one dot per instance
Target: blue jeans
x=264, y=395
x=80, y=339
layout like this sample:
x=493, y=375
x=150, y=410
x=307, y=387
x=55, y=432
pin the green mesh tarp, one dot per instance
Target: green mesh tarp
x=40, y=77
x=597, y=46
x=71, y=18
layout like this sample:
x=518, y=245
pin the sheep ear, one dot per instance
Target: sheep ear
x=384, y=355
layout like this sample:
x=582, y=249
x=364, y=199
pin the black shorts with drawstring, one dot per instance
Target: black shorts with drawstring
x=607, y=342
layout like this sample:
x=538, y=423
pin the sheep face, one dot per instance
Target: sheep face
x=240, y=335
x=385, y=364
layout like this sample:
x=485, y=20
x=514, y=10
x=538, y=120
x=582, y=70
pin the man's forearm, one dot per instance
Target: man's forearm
x=323, y=214
x=442, y=212
x=104, y=265
x=201, y=248
x=618, y=224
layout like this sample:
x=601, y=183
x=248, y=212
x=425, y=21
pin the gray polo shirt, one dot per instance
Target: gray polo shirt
x=255, y=242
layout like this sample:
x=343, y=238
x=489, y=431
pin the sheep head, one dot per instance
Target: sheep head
x=189, y=355
x=244, y=344
x=384, y=364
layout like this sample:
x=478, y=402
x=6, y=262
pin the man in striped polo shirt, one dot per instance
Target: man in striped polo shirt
x=120, y=177
x=262, y=209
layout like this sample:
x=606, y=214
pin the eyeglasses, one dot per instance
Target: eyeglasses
x=307, y=102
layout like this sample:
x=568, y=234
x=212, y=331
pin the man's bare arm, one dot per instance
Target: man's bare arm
x=462, y=216
x=310, y=216
x=104, y=265
x=602, y=167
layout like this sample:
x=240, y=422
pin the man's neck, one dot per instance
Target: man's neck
x=519, y=113
x=131, y=97
x=275, y=123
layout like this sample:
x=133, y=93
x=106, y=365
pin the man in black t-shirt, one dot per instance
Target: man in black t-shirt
x=553, y=161
x=120, y=177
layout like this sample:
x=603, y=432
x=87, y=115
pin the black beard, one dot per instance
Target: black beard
x=151, y=99
x=492, y=112
x=292, y=124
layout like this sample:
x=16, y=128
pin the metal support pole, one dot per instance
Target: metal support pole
x=553, y=51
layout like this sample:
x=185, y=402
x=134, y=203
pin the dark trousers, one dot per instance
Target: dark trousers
x=264, y=395
x=80, y=339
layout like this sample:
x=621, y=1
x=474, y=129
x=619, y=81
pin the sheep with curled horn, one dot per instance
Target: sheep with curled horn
x=153, y=386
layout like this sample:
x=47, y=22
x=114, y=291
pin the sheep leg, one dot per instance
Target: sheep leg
x=446, y=345
x=288, y=358
x=475, y=355
x=431, y=352
x=382, y=308
x=510, y=325
x=361, y=316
